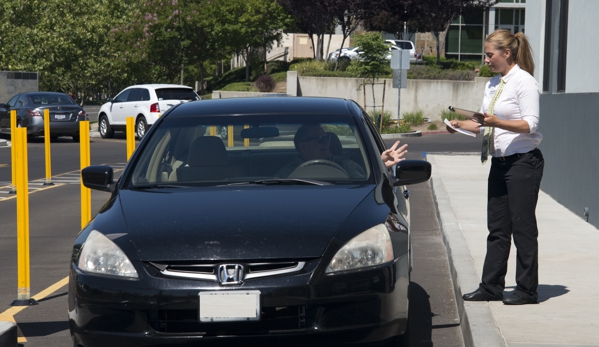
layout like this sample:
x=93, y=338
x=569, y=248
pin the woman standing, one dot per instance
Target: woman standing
x=510, y=122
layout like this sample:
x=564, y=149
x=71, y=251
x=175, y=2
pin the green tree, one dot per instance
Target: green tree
x=66, y=42
x=372, y=62
x=253, y=24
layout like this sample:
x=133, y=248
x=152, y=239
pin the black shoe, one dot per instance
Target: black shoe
x=516, y=299
x=479, y=295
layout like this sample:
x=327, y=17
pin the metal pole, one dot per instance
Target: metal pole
x=23, y=257
x=84, y=158
x=13, y=150
x=130, y=128
x=47, y=148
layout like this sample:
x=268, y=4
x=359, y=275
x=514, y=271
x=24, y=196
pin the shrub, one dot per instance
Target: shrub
x=387, y=120
x=432, y=126
x=414, y=118
x=265, y=83
x=279, y=76
x=449, y=115
x=435, y=72
x=308, y=67
x=485, y=71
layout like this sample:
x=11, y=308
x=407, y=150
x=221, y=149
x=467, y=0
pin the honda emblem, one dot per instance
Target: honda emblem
x=230, y=274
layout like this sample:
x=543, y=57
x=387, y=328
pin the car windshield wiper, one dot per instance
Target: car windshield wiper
x=282, y=181
x=158, y=186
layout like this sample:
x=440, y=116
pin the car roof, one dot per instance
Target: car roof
x=263, y=105
x=159, y=85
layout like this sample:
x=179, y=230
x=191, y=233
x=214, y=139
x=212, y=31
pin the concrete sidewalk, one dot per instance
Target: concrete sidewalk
x=568, y=261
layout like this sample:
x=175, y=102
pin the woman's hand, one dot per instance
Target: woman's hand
x=471, y=125
x=394, y=155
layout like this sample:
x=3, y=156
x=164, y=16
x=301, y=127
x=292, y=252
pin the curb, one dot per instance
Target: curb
x=399, y=135
x=478, y=325
x=4, y=143
x=8, y=334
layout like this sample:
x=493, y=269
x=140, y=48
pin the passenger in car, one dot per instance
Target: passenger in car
x=312, y=142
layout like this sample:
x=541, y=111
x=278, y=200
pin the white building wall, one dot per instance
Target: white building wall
x=583, y=47
x=535, y=32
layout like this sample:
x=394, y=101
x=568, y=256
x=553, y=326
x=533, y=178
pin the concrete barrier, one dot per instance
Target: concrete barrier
x=429, y=96
x=8, y=333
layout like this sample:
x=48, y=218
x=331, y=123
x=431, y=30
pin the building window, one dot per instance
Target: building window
x=465, y=38
x=511, y=19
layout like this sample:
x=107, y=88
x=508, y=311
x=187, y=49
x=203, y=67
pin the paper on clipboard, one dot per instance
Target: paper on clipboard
x=465, y=132
x=465, y=113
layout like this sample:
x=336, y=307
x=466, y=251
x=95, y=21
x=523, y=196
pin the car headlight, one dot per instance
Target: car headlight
x=102, y=256
x=372, y=247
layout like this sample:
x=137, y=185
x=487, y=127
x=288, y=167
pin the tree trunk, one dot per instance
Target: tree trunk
x=436, y=33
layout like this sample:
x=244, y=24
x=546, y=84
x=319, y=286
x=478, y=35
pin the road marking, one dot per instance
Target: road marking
x=8, y=315
x=72, y=177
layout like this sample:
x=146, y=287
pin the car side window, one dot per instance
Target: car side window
x=13, y=101
x=22, y=101
x=122, y=97
x=135, y=95
x=145, y=94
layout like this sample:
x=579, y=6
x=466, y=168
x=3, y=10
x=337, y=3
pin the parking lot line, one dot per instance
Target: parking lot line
x=8, y=315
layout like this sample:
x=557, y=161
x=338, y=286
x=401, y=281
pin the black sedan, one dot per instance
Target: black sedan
x=270, y=236
x=65, y=114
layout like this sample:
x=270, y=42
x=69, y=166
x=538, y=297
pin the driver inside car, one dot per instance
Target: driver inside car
x=313, y=143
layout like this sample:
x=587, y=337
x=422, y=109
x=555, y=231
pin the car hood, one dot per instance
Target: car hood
x=226, y=223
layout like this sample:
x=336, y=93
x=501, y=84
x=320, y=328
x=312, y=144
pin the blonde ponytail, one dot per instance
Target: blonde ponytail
x=517, y=44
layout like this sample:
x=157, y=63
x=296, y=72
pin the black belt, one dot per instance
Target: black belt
x=513, y=156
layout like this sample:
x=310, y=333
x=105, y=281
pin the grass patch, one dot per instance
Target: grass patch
x=414, y=118
x=240, y=87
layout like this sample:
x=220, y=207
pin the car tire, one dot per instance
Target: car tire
x=104, y=128
x=223, y=132
x=76, y=138
x=141, y=126
x=344, y=60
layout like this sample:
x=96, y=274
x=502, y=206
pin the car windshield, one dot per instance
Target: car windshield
x=50, y=99
x=176, y=94
x=252, y=149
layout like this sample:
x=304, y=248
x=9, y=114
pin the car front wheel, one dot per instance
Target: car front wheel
x=104, y=128
x=141, y=127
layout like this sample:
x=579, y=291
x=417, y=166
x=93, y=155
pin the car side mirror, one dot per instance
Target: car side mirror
x=412, y=172
x=110, y=99
x=98, y=177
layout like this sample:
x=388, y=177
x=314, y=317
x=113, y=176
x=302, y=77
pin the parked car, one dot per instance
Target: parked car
x=335, y=54
x=206, y=241
x=65, y=114
x=145, y=102
x=356, y=53
x=409, y=45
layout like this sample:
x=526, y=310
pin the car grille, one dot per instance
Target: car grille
x=272, y=320
x=209, y=271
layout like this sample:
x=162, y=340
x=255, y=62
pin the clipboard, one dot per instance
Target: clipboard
x=465, y=113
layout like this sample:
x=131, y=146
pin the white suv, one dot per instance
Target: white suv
x=409, y=45
x=145, y=102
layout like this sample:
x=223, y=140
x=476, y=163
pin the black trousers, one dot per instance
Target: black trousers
x=513, y=191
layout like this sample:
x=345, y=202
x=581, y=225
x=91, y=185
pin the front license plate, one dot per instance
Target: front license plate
x=60, y=116
x=230, y=306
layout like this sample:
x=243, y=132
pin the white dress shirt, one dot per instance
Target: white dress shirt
x=518, y=100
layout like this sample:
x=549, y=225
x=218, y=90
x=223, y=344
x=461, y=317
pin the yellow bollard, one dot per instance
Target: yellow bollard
x=47, y=148
x=84, y=157
x=130, y=136
x=230, y=137
x=246, y=142
x=212, y=130
x=22, y=177
x=13, y=149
